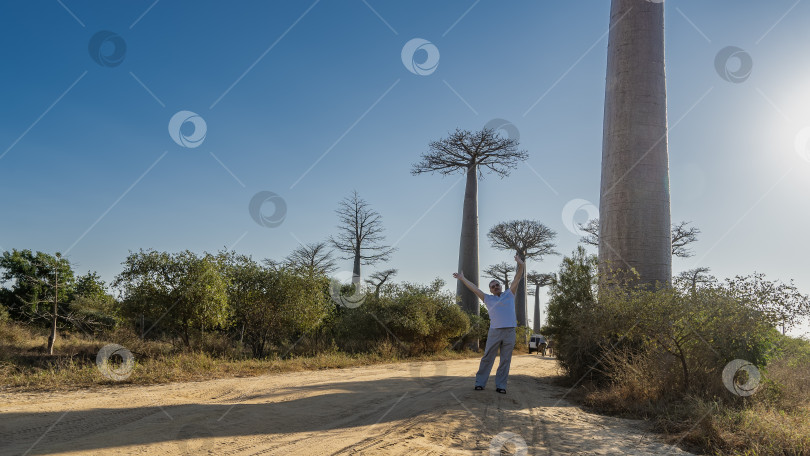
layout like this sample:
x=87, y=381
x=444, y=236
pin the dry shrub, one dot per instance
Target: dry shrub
x=637, y=383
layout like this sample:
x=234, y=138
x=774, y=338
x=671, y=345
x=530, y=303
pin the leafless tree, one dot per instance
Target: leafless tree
x=529, y=239
x=501, y=271
x=378, y=279
x=360, y=234
x=470, y=153
x=314, y=258
x=681, y=236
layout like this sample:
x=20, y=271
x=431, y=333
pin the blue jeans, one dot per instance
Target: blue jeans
x=498, y=339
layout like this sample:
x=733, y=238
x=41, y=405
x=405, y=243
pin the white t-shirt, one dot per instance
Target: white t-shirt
x=501, y=309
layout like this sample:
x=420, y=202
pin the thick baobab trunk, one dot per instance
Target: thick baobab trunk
x=536, y=321
x=468, y=247
x=634, y=206
x=520, y=298
x=356, y=270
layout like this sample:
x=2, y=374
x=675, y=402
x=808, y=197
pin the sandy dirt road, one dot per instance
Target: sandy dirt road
x=395, y=409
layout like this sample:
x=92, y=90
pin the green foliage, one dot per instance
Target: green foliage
x=35, y=280
x=180, y=292
x=571, y=293
x=273, y=305
x=423, y=317
x=418, y=318
x=91, y=308
x=684, y=335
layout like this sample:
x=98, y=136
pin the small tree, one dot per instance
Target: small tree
x=182, y=291
x=501, y=271
x=573, y=290
x=470, y=153
x=691, y=278
x=91, y=307
x=360, y=234
x=273, y=305
x=40, y=283
x=315, y=258
x=530, y=239
x=378, y=279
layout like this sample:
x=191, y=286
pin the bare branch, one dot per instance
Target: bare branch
x=592, y=228
x=681, y=236
x=463, y=149
x=529, y=238
x=314, y=258
x=360, y=232
x=501, y=271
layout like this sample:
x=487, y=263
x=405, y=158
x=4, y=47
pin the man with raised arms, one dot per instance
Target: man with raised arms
x=502, y=323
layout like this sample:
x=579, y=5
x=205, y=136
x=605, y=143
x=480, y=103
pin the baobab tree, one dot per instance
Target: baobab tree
x=360, y=237
x=314, y=258
x=470, y=153
x=501, y=271
x=529, y=239
x=378, y=279
x=634, y=203
x=681, y=236
x=538, y=280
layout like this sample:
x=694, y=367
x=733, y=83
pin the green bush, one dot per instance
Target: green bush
x=423, y=318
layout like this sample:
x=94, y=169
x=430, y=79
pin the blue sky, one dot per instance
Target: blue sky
x=89, y=168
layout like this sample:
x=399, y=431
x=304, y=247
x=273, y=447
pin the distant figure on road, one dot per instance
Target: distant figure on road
x=502, y=323
x=550, y=346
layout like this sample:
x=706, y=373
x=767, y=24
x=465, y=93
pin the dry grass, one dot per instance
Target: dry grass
x=24, y=365
x=773, y=421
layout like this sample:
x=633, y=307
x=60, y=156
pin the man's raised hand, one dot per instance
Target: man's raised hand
x=519, y=261
x=459, y=275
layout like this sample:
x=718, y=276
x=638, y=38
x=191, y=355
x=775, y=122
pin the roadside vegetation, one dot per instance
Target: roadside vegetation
x=704, y=359
x=183, y=316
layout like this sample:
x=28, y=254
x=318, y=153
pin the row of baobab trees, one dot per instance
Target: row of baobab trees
x=360, y=237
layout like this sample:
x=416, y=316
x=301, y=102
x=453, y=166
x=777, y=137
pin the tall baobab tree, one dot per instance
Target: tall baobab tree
x=681, y=237
x=634, y=205
x=315, y=258
x=360, y=237
x=538, y=280
x=529, y=239
x=470, y=153
x=501, y=271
